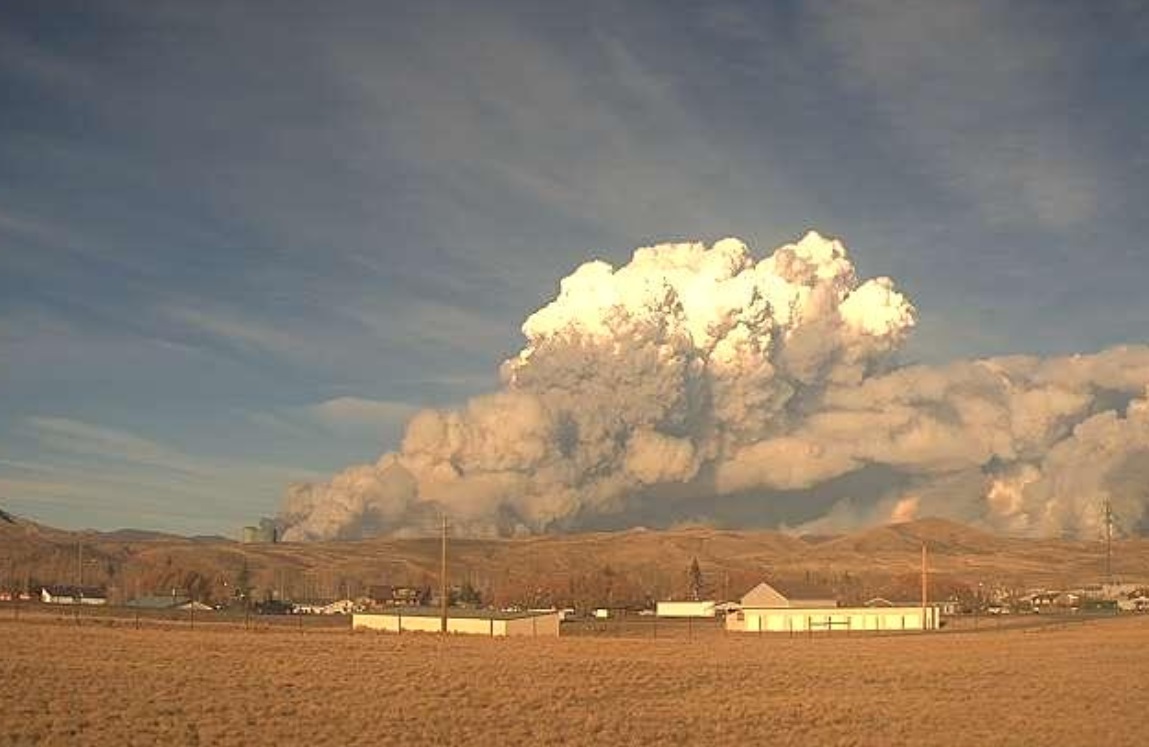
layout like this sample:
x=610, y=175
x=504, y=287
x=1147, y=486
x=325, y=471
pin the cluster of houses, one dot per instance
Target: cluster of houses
x=764, y=609
x=96, y=596
x=377, y=597
x=15, y=596
x=1122, y=597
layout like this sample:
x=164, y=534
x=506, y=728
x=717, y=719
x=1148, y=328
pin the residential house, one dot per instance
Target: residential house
x=90, y=595
x=766, y=609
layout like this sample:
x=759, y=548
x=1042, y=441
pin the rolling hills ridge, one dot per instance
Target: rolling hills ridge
x=606, y=567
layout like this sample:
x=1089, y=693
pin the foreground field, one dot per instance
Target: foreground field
x=97, y=684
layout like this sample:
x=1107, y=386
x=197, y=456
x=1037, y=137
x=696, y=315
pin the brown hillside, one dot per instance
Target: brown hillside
x=939, y=535
x=599, y=568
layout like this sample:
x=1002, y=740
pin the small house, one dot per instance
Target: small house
x=399, y=596
x=73, y=595
x=1134, y=604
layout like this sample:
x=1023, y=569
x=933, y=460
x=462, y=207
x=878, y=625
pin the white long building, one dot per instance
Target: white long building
x=686, y=609
x=766, y=610
x=464, y=621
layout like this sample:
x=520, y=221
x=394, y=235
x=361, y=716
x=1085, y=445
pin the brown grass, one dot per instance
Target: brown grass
x=95, y=684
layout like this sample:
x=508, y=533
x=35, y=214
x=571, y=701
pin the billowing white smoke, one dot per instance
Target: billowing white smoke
x=702, y=371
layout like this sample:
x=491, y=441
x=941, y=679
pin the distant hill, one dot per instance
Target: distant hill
x=138, y=535
x=617, y=567
x=939, y=535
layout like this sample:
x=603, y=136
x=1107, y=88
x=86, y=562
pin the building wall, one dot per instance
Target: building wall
x=94, y=601
x=537, y=626
x=387, y=623
x=840, y=619
x=540, y=625
x=685, y=609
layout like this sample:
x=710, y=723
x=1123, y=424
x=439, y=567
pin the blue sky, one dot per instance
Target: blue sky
x=241, y=242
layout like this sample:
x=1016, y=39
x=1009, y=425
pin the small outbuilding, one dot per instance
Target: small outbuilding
x=493, y=623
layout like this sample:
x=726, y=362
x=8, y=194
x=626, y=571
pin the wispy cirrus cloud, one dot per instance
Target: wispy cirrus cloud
x=978, y=92
x=432, y=324
x=97, y=470
x=76, y=437
x=300, y=233
x=240, y=331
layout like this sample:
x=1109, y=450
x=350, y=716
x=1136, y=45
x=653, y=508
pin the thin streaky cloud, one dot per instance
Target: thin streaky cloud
x=935, y=71
x=73, y=436
x=224, y=241
x=243, y=332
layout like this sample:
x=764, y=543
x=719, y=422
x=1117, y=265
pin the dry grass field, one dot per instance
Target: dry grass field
x=103, y=684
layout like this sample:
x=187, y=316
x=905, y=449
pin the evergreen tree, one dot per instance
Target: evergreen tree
x=695, y=580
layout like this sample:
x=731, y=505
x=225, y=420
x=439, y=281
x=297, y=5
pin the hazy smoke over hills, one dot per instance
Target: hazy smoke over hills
x=703, y=383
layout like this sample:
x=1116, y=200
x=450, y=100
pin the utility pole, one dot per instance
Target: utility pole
x=443, y=578
x=925, y=586
x=79, y=573
x=1108, y=509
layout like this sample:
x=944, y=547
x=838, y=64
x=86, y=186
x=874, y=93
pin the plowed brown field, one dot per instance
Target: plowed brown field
x=103, y=684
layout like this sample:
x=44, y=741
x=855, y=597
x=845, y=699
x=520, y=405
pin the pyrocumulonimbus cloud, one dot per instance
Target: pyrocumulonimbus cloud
x=696, y=377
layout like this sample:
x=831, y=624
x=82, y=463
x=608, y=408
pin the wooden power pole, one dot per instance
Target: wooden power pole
x=1108, y=541
x=443, y=578
x=925, y=586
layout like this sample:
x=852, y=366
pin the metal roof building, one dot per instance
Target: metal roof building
x=465, y=621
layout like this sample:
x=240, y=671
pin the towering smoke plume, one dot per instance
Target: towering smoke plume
x=702, y=383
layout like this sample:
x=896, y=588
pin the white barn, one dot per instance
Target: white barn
x=491, y=623
x=766, y=610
